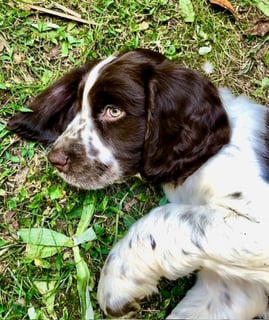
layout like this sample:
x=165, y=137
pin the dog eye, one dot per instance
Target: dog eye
x=113, y=112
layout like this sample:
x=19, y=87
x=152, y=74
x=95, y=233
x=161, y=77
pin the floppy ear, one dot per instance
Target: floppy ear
x=53, y=109
x=187, y=124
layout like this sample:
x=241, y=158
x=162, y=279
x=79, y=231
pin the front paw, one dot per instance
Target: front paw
x=122, y=284
x=115, y=292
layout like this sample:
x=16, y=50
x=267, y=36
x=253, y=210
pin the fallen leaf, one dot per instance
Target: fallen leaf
x=224, y=4
x=260, y=28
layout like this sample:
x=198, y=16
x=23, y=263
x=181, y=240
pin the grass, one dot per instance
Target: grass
x=36, y=49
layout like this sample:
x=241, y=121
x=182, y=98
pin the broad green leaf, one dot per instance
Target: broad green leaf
x=86, y=236
x=65, y=49
x=263, y=5
x=54, y=192
x=46, y=76
x=45, y=237
x=83, y=277
x=34, y=251
x=265, y=82
x=186, y=10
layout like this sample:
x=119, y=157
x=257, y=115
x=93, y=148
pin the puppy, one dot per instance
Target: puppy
x=139, y=113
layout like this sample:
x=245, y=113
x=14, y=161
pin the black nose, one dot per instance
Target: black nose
x=59, y=159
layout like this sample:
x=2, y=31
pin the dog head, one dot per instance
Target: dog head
x=134, y=112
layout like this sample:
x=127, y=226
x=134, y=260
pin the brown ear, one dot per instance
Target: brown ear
x=187, y=124
x=53, y=109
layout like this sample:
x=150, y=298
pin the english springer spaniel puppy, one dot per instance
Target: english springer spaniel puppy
x=138, y=113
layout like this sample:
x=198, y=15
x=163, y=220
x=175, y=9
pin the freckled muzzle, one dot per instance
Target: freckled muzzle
x=83, y=168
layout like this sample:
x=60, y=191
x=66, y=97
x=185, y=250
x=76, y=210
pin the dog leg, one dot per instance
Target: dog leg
x=173, y=241
x=213, y=297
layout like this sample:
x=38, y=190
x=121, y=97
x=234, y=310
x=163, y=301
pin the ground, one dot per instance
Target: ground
x=37, y=48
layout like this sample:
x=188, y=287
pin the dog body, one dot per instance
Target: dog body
x=139, y=113
x=219, y=226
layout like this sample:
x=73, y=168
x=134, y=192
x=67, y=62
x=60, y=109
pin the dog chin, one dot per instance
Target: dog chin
x=85, y=184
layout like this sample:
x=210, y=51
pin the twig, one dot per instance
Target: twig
x=67, y=10
x=59, y=14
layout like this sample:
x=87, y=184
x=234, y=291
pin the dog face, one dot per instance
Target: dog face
x=134, y=112
x=104, y=142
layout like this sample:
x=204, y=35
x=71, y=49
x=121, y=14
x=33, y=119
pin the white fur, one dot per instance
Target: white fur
x=89, y=133
x=218, y=223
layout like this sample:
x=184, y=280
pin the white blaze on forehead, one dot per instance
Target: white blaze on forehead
x=89, y=135
x=91, y=79
x=83, y=117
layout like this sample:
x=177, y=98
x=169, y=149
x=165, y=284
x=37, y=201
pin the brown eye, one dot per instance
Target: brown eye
x=113, y=112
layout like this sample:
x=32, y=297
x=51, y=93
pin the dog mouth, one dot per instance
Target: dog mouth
x=91, y=176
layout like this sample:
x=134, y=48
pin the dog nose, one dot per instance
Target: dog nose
x=59, y=159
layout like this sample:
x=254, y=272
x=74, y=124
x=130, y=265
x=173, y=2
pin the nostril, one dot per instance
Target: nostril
x=59, y=159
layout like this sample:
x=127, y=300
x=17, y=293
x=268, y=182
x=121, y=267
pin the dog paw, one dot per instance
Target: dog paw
x=123, y=284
